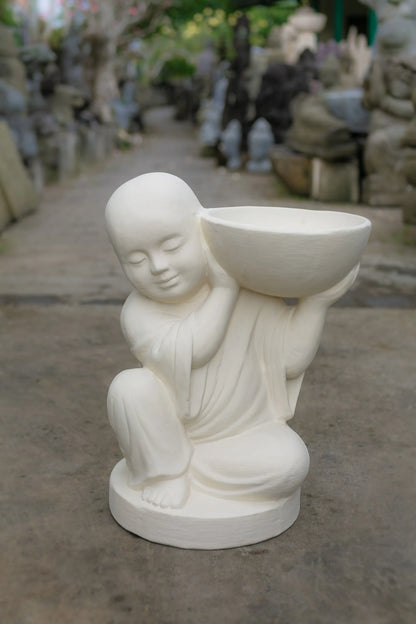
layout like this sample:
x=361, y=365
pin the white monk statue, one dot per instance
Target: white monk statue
x=202, y=419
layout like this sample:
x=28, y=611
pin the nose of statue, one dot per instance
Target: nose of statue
x=157, y=264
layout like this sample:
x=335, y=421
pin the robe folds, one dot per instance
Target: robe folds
x=224, y=421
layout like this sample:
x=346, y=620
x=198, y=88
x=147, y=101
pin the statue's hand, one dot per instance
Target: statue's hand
x=217, y=276
x=336, y=292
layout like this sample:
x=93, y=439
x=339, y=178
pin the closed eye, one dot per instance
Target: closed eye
x=172, y=244
x=137, y=261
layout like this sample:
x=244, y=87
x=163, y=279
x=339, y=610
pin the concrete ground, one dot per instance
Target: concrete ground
x=349, y=558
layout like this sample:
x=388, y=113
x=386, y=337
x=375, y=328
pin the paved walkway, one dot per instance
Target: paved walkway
x=350, y=557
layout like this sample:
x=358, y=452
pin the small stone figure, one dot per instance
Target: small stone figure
x=209, y=460
x=300, y=33
x=260, y=140
x=231, y=143
x=219, y=91
x=210, y=130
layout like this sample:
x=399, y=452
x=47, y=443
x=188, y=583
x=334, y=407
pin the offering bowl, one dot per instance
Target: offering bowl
x=285, y=252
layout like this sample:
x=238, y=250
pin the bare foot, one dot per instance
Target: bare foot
x=168, y=492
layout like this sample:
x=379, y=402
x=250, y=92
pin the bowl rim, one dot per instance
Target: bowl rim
x=209, y=215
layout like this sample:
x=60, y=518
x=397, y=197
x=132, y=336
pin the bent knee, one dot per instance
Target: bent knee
x=285, y=459
x=137, y=384
x=296, y=466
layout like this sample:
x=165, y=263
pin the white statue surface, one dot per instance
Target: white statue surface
x=209, y=459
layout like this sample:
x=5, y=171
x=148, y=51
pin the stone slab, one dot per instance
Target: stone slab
x=293, y=168
x=335, y=181
x=382, y=189
x=15, y=184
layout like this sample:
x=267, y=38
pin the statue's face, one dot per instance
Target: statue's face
x=162, y=255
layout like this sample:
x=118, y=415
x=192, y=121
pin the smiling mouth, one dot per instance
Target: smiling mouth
x=168, y=283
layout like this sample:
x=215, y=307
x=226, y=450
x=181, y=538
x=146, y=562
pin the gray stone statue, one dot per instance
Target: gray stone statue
x=409, y=169
x=387, y=94
x=11, y=68
x=210, y=130
x=231, y=143
x=260, y=140
x=315, y=130
x=396, y=32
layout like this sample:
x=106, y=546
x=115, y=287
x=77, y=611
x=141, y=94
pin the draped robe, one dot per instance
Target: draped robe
x=225, y=421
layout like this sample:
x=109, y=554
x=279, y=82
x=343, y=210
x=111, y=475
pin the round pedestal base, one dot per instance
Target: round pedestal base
x=204, y=522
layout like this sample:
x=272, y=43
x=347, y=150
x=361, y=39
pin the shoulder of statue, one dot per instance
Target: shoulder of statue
x=133, y=313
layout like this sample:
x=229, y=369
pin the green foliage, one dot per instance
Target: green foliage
x=56, y=37
x=189, y=24
x=155, y=62
x=262, y=19
x=176, y=67
x=183, y=11
x=6, y=13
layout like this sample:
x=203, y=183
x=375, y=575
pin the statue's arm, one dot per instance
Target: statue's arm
x=137, y=324
x=303, y=335
x=306, y=323
x=209, y=323
x=206, y=326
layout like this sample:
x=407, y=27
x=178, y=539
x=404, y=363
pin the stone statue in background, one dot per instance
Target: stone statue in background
x=409, y=168
x=396, y=31
x=37, y=58
x=300, y=33
x=260, y=141
x=315, y=130
x=210, y=116
x=355, y=58
x=206, y=66
x=230, y=145
x=16, y=104
x=12, y=69
x=210, y=461
x=210, y=130
x=387, y=94
x=73, y=56
x=274, y=46
x=237, y=98
x=281, y=83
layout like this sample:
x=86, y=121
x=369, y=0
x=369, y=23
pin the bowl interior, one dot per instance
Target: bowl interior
x=284, y=220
